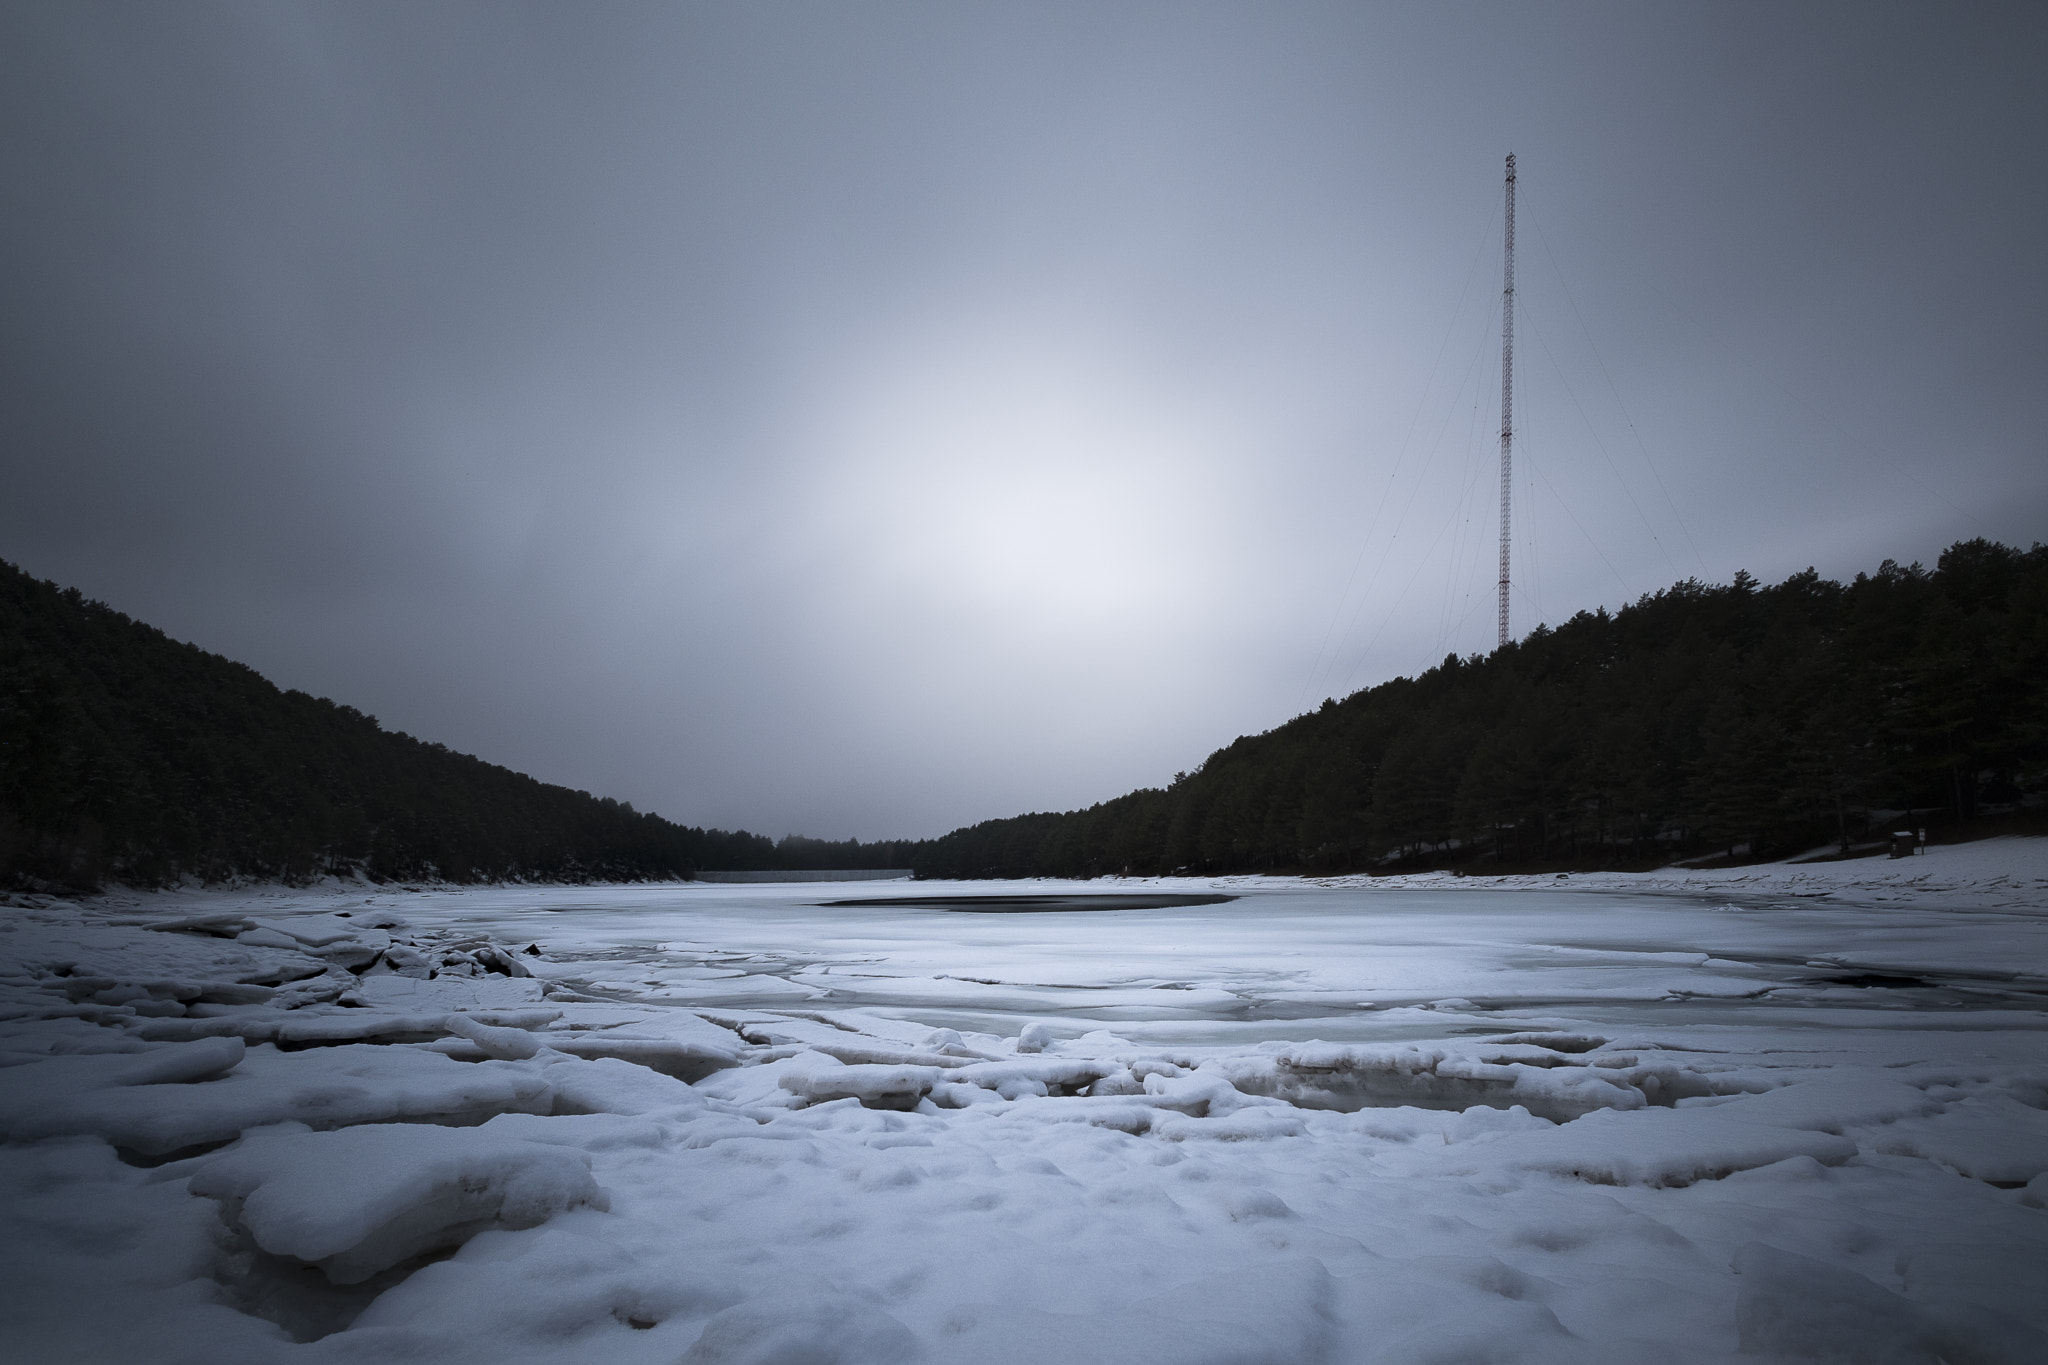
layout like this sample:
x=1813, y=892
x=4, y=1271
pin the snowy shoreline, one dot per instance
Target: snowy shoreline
x=1781, y=1112
x=2006, y=865
x=2005, y=870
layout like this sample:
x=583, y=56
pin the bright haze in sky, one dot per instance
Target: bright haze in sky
x=863, y=420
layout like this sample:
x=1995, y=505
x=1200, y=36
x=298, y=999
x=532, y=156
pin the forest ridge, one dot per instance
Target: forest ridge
x=127, y=756
x=1698, y=718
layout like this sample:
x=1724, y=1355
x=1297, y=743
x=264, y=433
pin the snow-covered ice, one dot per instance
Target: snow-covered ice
x=1783, y=1113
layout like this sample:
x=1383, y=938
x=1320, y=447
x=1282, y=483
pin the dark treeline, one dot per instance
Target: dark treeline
x=127, y=756
x=1701, y=718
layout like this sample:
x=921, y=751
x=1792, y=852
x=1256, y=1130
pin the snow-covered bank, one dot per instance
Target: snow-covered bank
x=1781, y=1113
x=2009, y=870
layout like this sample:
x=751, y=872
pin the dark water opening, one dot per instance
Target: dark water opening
x=1017, y=905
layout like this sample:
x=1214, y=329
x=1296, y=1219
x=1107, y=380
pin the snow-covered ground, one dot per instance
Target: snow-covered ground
x=1792, y=1112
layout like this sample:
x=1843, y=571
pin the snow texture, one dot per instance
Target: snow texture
x=1795, y=1113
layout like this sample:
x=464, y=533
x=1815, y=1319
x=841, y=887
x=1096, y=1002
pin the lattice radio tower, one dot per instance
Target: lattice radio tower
x=1507, y=394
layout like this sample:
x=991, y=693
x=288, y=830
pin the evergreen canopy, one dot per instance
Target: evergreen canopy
x=1699, y=717
x=128, y=756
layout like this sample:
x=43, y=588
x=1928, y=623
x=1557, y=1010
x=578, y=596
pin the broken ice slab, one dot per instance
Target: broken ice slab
x=1993, y=1138
x=360, y=1200
x=1655, y=1147
x=876, y=1087
x=410, y=995
x=682, y=1060
x=1548, y=1084
x=148, y=1103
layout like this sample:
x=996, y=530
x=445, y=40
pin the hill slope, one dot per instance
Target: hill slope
x=128, y=756
x=1700, y=717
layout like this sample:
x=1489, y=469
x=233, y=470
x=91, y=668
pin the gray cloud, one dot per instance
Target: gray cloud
x=868, y=419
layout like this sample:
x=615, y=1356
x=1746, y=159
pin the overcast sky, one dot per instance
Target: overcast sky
x=866, y=419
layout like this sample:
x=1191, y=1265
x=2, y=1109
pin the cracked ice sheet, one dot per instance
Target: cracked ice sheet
x=1043, y=1229
x=1284, y=944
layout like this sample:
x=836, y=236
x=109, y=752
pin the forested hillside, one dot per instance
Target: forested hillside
x=1699, y=718
x=127, y=756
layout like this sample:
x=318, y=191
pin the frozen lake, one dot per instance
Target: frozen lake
x=1282, y=960
x=1794, y=1114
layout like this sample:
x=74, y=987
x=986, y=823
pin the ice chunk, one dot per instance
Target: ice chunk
x=360, y=1200
x=29, y=1094
x=332, y=984
x=523, y=1296
x=680, y=1025
x=777, y=1030
x=1656, y=1147
x=1986, y=1137
x=314, y=931
x=591, y=1132
x=1036, y=1037
x=684, y=1059
x=325, y=1088
x=953, y=1095
x=876, y=1087
x=495, y=959
x=1333, y=1076
x=325, y=1024
x=1832, y=1103
x=605, y=1085
x=505, y=1044
x=226, y=924
x=1251, y=1125
x=1130, y=1114
x=410, y=995
x=1204, y=1094
x=857, y=1053
x=314, y=1024
x=1120, y=1082
x=404, y=960
x=1033, y=1075
x=355, y=953
x=33, y=1041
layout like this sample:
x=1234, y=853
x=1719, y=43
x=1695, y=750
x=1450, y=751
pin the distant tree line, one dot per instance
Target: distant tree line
x=127, y=756
x=1700, y=718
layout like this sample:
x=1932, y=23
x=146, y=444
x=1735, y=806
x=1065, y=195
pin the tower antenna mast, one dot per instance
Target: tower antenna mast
x=1507, y=394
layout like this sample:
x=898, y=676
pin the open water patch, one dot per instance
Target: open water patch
x=1055, y=901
